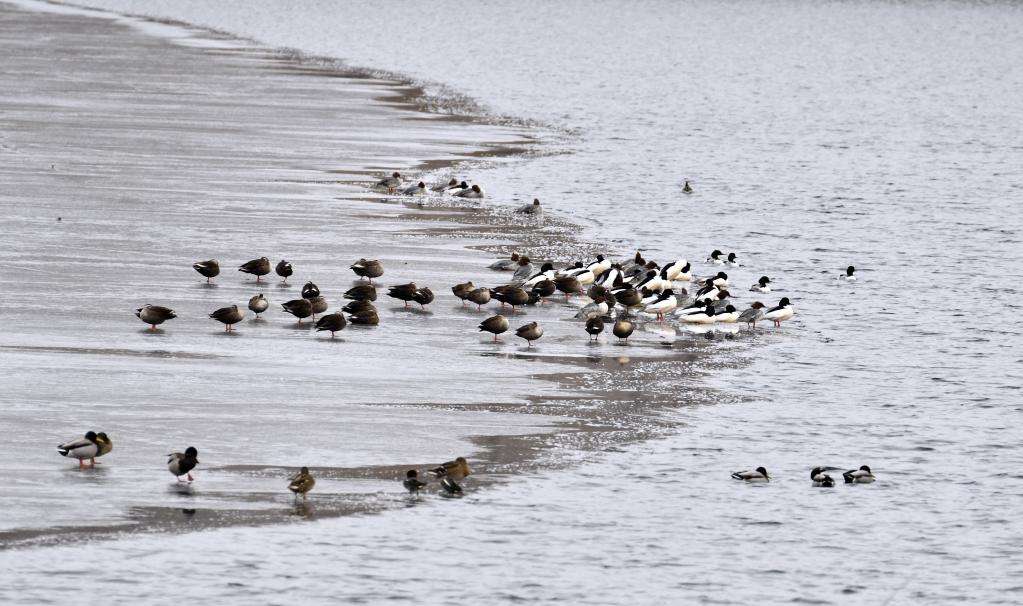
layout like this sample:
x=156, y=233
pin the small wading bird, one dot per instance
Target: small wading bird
x=258, y=304
x=302, y=483
x=757, y=475
x=456, y=470
x=229, y=316
x=412, y=483
x=207, y=269
x=368, y=269
x=284, y=270
x=155, y=314
x=91, y=446
x=182, y=464
x=257, y=267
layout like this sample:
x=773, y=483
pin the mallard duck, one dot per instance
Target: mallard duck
x=302, y=483
x=155, y=314
x=531, y=209
x=366, y=317
x=368, y=269
x=762, y=285
x=104, y=443
x=758, y=475
x=355, y=307
x=505, y=264
x=456, y=470
x=258, y=304
x=863, y=475
x=402, y=292
x=461, y=291
x=300, y=308
x=318, y=305
x=207, y=269
x=362, y=292
x=594, y=326
x=257, y=267
x=310, y=290
x=412, y=483
x=423, y=296
x=751, y=315
x=334, y=322
x=284, y=269
x=781, y=312
x=623, y=329
x=494, y=325
x=181, y=464
x=229, y=316
x=451, y=487
x=81, y=449
x=530, y=332
x=390, y=184
x=479, y=296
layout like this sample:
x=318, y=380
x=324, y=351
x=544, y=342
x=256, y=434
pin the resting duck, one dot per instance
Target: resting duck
x=863, y=475
x=531, y=209
x=423, y=296
x=511, y=295
x=494, y=325
x=762, y=285
x=679, y=271
x=530, y=332
x=849, y=275
x=257, y=267
x=456, y=470
x=389, y=184
x=729, y=316
x=207, y=269
x=367, y=317
x=594, y=326
x=83, y=448
x=228, y=316
x=440, y=187
x=302, y=483
x=368, y=269
x=473, y=192
x=665, y=303
x=732, y=260
x=334, y=322
x=355, y=307
x=758, y=475
x=451, y=488
x=715, y=258
x=181, y=464
x=623, y=329
x=412, y=483
x=751, y=315
x=362, y=292
x=258, y=304
x=505, y=264
x=284, y=270
x=461, y=291
x=310, y=290
x=418, y=189
x=479, y=296
x=155, y=314
x=300, y=308
x=821, y=479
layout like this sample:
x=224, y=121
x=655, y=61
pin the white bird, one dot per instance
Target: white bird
x=546, y=273
x=599, y=266
x=849, y=275
x=781, y=312
x=729, y=316
x=732, y=260
x=757, y=475
x=862, y=475
x=715, y=258
x=679, y=271
x=706, y=316
x=666, y=303
x=762, y=285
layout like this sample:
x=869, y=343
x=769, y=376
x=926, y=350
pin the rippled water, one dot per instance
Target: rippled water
x=816, y=135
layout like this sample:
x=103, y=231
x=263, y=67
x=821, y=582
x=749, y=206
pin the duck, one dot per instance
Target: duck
x=821, y=479
x=678, y=271
x=451, y=487
x=366, y=317
x=368, y=269
x=700, y=317
x=228, y=316
x=207, y=269
x=715, y=258
x=757, y=475
x=423, y=296
x=531, y=209
x=720, y=302
x=599, y=266
x=524, y=269
x=284, y=270
x=81, y=449
x=505, y=264
x=636, y=261
x=708, y=292
x=354, y=307
x=257, y=267
x=762, y=285
x=181, y=464
x=258, y=304
x=104, y=443
x=594, y=326
x=302, y=483
x=546, y=273
x=334, y=322
x=461, y=291
x=569, y=285
x=849, y=275
x=720, y=280
x=781, y=312
x=751, y=315
x=419, y=189
x=310, y=291
x=530, y=332
x=479, y=296
x=473, y=192
x=318, y=304
x=730, y=315
x=455, y=190
x=511, y=295
x=362, y=292
x=623, y=329
x=544, y=288
x=412, y=483
x=456, y=470
x=389, y=184
x=300, y=308
x=155, y=314
x=402, y=292
x=494, y=325
x=863, y=475
x=630, y=297
x=686, y=188
x=597, y=309
x=732, y=260
x=665, y=303
x=441, y=187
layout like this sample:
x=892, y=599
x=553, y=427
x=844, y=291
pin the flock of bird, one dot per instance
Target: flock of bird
x=818, y=476
x=94, y=445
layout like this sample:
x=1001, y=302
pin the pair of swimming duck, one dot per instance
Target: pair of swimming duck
x=818, y=476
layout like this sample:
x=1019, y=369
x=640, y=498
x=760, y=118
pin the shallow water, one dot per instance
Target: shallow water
x=817, y=135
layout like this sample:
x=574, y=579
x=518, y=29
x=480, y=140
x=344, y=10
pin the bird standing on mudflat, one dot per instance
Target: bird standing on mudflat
x=494, y=325
x=461, y=291
x=402, y=292
x=412, y=483
x=423, y=296
x=479, y=296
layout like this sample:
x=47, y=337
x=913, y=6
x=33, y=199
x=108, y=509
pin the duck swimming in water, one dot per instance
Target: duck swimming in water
x=715, y=258
x=419, y=189
x=732, y=260
x=863, y=475
x=821, y=479
x=849, y=275
x=474, y=192
x=441, y=187
x=412, y=483
x=762, y=285
x=758, y=475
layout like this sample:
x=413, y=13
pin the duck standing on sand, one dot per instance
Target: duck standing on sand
x=88, y=447
x=530, y=332
x=368, y=269
x=494, y=325
x=456, y=470
x=258, y=304
x=155, y=314
x=412, y=483
x=207, y=269
x=284, y=270
x=229, y=316
x=758, y=475
x=334, y=322
x=257, y=267
x=302, y=483
x=182, y=464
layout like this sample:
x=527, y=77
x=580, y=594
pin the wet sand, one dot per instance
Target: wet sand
x=157, y=151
